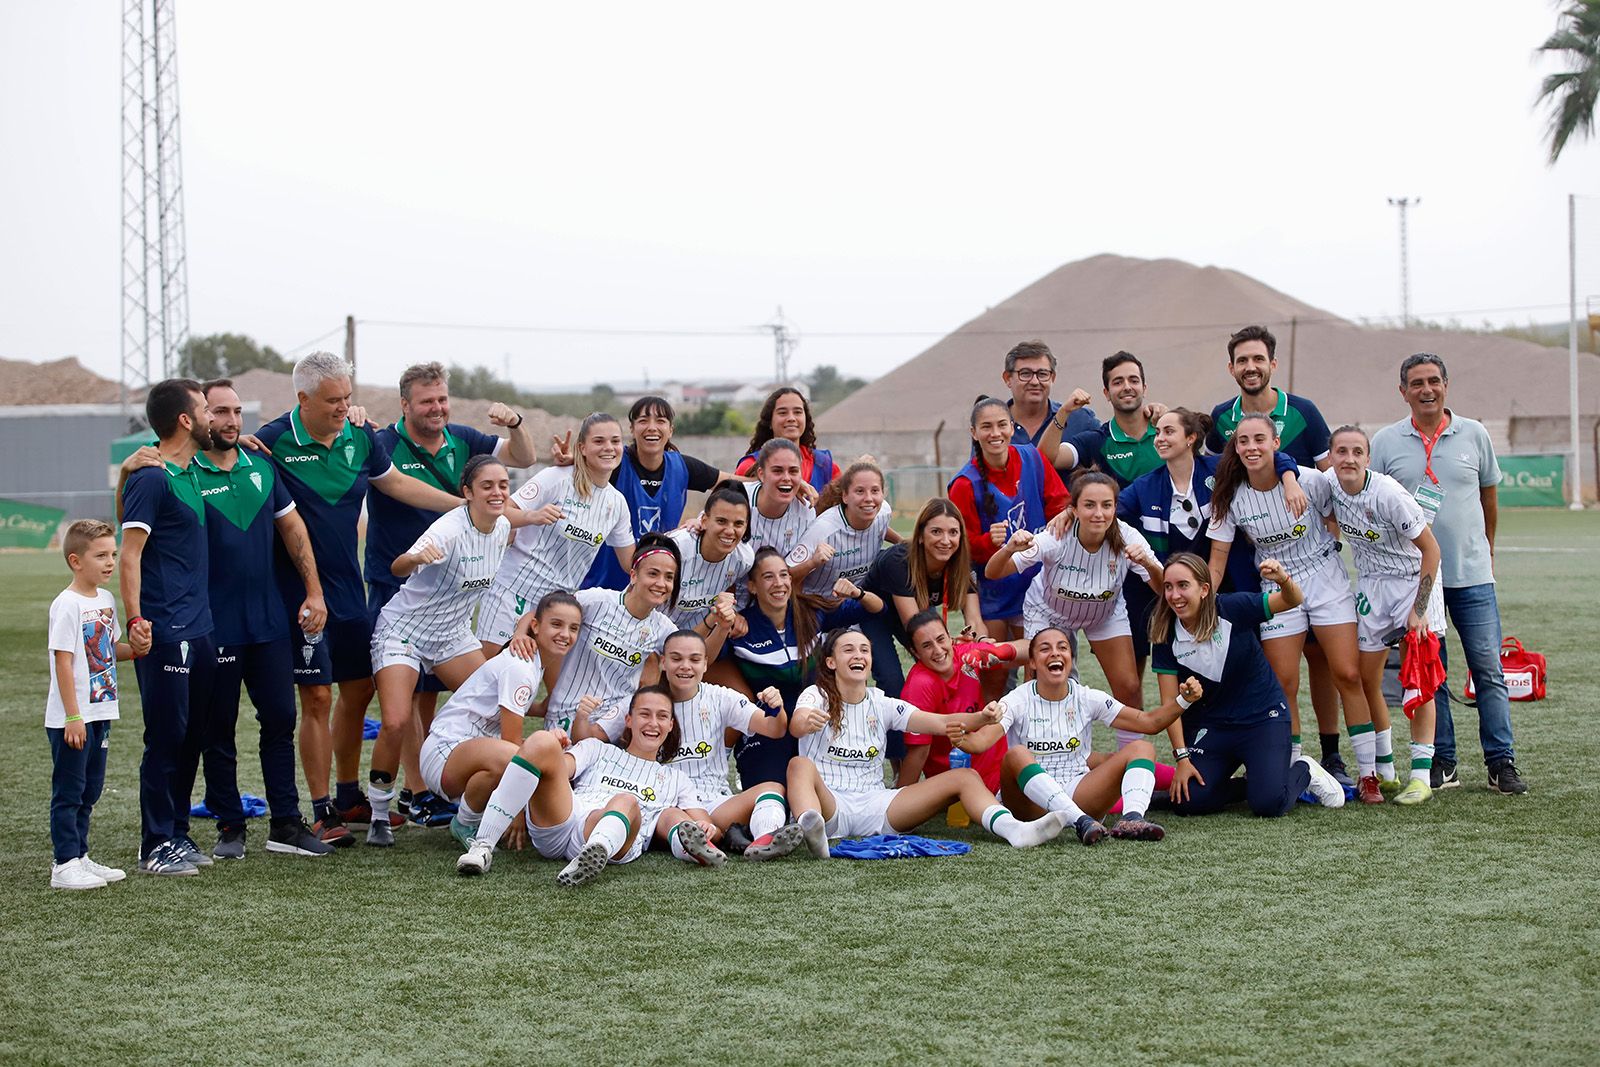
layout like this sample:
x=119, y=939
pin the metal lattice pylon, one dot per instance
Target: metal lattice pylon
x=155, y=274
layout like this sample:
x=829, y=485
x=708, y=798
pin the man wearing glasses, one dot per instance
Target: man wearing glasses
x=1036, y=419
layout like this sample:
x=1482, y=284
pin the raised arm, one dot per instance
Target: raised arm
x=1158, y=719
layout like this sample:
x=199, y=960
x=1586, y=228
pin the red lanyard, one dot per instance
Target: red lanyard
x=1428, y=444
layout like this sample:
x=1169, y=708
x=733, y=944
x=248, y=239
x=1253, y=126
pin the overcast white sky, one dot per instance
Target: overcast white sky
x=871, y=167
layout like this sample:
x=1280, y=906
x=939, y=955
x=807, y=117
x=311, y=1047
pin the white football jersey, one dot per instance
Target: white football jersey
x=851, y=758
x=783, y=532
x=1380, y=523
x=701, y=581
x=1057, y=732
x=1302, y=545
x=604, y=770
x=853, y=549
x=542, y=559
x=606, y=661
x=506, y=681
x=1075, y=587
x=438, y=598
x=702, y=719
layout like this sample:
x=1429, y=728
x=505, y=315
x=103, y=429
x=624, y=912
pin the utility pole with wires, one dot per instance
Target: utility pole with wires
x=1404, y=203
x=784, y=340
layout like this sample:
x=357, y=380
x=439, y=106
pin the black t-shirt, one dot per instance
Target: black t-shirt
x=702, y=476
x=890, y=576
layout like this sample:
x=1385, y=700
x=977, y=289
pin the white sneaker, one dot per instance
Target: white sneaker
x=1324, y=786
x=476, y=859
x=74, y=875
x=815, y=830
x=110, y=874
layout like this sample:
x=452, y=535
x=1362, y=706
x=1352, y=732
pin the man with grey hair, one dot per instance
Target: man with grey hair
x=426, y=445
x=1448, y=462
x=327, y=462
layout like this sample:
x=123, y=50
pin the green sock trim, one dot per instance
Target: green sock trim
x=1028, y=774
x=998, y=811
x=771, y=796
x=1422, y=763
x=1386, y=759
x=525, y=765
x=1149, y=765
x=675, y=828
x=1294, y=739
x=1363, y=728
x=626, y=824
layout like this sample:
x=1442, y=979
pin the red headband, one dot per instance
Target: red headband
x=649, y=552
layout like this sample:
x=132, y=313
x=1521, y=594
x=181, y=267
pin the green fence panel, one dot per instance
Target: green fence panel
x=27, y=525
x=1533, y=481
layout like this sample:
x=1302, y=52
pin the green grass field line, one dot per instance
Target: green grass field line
x=1461, y=932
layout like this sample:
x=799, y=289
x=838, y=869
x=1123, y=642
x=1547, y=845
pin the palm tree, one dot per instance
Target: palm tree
x=1573, y=93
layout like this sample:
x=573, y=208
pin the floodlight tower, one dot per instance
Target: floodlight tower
x=1404, y=203
x=155, y=273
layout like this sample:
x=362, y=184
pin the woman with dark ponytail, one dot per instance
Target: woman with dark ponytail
x=1002, y=489
x=787, y=414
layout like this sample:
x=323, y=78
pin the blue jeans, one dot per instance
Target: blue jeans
x=1475, y=614
x=76, y=779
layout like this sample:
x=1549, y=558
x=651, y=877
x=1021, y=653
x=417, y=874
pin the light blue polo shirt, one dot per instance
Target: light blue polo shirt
x=1464, y=463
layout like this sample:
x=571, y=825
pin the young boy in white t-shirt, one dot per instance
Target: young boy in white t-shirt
x=84, y=651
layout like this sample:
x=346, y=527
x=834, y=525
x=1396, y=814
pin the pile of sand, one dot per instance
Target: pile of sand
x=62, y=381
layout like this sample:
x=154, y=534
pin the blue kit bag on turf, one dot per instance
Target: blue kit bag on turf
x=896, y=847
x=254, y=808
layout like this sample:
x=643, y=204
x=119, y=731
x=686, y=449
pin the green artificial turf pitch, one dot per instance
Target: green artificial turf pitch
x=1460, y=932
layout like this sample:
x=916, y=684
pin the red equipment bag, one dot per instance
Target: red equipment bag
x=1525, y=672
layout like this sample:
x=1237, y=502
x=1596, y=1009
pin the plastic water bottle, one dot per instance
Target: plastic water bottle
x=956, y=815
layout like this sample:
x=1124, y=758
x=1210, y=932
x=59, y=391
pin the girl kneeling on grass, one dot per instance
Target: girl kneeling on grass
x=479, y=729
x=1046, y=725
x=598, y=802
x=836, y=783
x=1242, y=717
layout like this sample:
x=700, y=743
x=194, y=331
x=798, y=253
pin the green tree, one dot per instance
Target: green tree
x=1571, y=94
x=828, y=387
x=218, y=355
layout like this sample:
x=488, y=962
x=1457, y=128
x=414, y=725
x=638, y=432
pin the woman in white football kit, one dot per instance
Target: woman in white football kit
x=1046, y=724
x=850, y=529
x=716, y=558
x=1079, y=586
x=619, y=644
x=576, y=510
x=427, y=625
x=1249, y=497
x=479, y=729
x=836, y=783
x=707, y=715
x=780, y=509
x=599, y=802
x=1397, y=576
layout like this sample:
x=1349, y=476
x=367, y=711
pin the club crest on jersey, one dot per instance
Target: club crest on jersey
x=648, y=519
x=617, y=653
x=255, y=480
x=349, y=454
x=183, y=651
x=305, y=654
x=523, y=695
